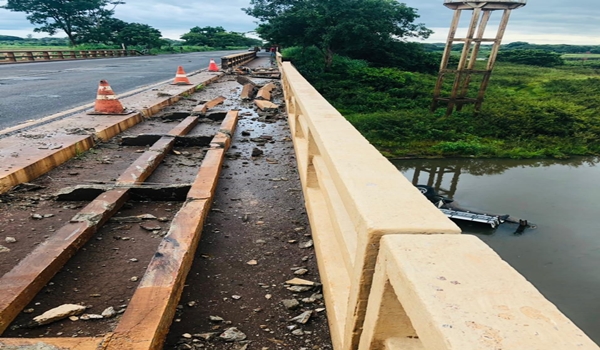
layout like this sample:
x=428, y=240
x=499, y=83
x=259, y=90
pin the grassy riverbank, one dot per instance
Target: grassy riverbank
x=529, y=112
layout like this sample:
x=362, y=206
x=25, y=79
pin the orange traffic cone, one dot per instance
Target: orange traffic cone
x=181, y=78
x=212, y=67
x=106, y=101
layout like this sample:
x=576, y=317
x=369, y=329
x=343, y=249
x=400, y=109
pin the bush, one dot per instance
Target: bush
x=531, y=57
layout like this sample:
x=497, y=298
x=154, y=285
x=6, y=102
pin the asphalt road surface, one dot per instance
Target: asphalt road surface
x=36, y=90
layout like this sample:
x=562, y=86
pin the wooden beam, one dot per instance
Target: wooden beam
x=445, y=59
x=146, y=322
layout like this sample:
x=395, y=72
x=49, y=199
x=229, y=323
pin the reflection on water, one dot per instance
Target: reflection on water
x=561, y=257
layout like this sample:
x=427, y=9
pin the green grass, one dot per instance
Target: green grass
x=529, y=112
x=581, y=55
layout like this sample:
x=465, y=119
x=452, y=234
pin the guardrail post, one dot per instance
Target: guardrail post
x=61, y=55
x=29, y=56
x=46, y=55
x=94, y=53
x=72, y=54
x=84, y=54
x=10, y=56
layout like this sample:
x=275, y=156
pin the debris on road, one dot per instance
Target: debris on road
x=58, y=313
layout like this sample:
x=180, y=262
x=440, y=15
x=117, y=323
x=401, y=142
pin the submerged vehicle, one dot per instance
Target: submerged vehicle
x=453, y=211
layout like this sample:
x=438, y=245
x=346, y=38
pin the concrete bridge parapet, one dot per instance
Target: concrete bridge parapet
x=396, y=273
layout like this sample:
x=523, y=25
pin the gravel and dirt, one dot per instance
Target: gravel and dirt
x=255, y=239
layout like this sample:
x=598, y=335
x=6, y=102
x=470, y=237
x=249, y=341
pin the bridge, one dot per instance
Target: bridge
x=395, y=272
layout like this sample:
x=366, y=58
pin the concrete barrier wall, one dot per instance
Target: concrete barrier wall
x=237, y=59
x=454, y=292
x=354, y=197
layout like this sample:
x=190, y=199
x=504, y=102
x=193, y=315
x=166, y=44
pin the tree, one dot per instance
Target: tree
x=336, y=26
x=113, y=31
x=202, y=36
x=72, y=16
x=217, y=37
x=105, y=31
x=139, y=34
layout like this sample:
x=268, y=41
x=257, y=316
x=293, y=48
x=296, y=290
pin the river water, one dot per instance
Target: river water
x=561, y=257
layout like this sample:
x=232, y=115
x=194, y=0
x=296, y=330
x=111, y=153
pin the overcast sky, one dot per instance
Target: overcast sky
x=541, y=21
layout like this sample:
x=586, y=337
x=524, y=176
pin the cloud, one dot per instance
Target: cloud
x=175, y=19
x=541, y=21
x=172, y=18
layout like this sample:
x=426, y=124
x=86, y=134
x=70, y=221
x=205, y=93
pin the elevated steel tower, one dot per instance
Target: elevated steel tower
x=463, y=74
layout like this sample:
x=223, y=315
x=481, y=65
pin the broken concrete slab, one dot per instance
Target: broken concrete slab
x=245, y=81
x=300, y=282
x=266, y=105
x=217, y=114
x=176, y=115
x=140, y=140
x=193, y=141
x=265, y=92
x=57, y=314
x=176, y=192
x=150, y=139
x=203, y=108
x=247, y=92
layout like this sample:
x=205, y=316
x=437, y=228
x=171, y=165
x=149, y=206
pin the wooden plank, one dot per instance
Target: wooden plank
x=184, y=127
x=150, y=312
x=20, y=285
x=145, y=165
x=146, y=322
x=204, y=186
x=223, y=138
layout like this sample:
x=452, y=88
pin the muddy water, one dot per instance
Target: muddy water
x=561, y=257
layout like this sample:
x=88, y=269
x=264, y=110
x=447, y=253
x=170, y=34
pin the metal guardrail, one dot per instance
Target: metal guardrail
x=396, y=273
x=56, y=55
x=238, y=59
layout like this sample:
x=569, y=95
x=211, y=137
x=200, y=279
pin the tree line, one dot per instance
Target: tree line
x=92, y=22
x=373, y=30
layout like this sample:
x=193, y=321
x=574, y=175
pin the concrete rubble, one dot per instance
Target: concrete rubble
x=58, y=313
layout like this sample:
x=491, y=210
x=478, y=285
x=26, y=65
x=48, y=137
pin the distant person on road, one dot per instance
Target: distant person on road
x=273, y=50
